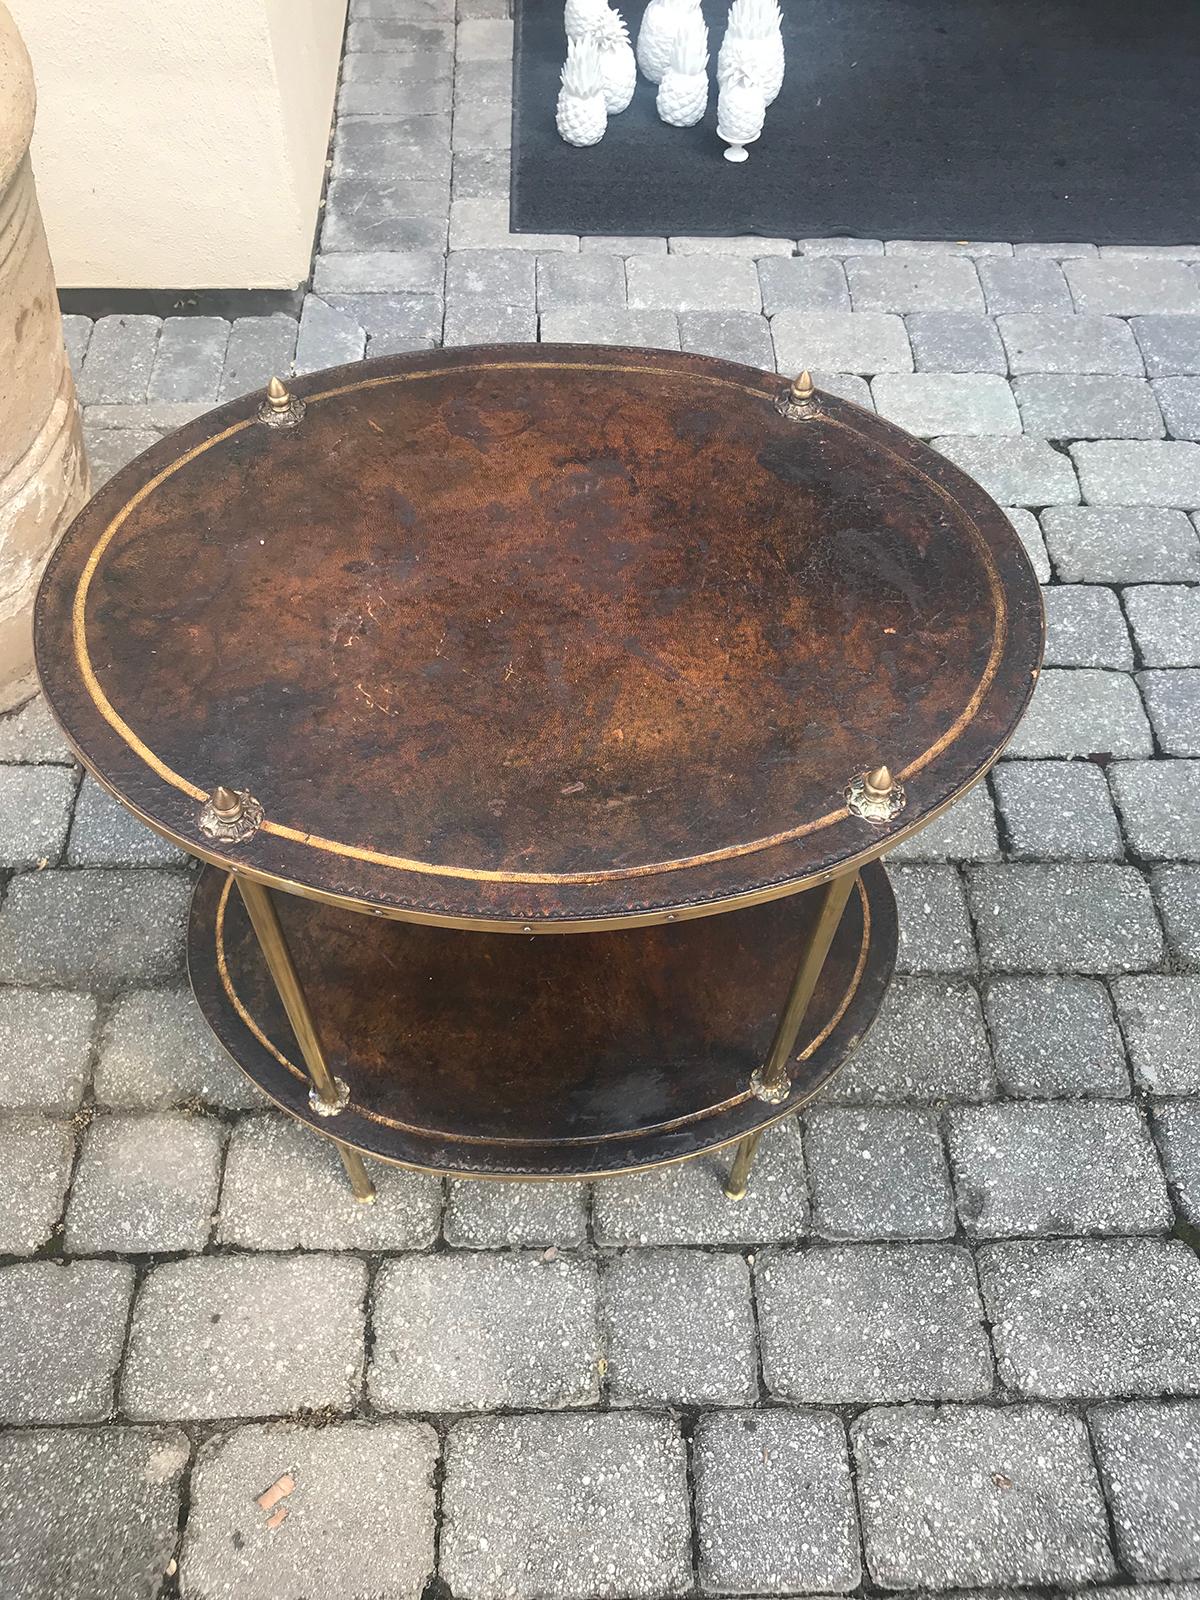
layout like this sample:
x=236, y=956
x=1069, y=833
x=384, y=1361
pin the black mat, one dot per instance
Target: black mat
x=928, y=119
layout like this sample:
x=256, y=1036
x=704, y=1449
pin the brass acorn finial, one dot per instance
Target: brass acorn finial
x=227, y=805
x=803, y=387
x=879, y=782
x=281, y=408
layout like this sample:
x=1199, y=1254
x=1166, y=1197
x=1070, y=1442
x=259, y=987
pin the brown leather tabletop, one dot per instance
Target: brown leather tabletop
x=539, y=636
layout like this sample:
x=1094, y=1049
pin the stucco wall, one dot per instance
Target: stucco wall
x=181, y=143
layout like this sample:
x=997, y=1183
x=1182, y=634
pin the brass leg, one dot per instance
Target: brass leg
x=743, y=1160
x=773, y=1080
x=328, y=1094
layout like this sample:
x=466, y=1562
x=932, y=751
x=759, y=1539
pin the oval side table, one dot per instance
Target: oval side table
x=542, y=713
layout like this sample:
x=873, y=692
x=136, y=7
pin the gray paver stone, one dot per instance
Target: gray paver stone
x=260, y=348
x=877, y=1173
x=692, y=283
x=568, y=1508
x=1055, y=1037
x=328, y=337
x=1054, y=809
x=973, y=1495
x=1025, y=525
x=737, y=244
x=1177, y=895
x=494, y=1216
x=955, y=341
x=1060, y=342
x=77, y=333
x=966, y=832
x=933, y=403
x=947, y=247
x=119, y=359
x=840, y=341
x=652, y=330
x=685, y=1203
x=157, y=1051
x=105, y=834
x=393, y=322
x=800, y=283
x=482, y=223
x=415, y=272
x=1057, y=1168
x=854, y=1324
x=88, y=1514
x=35, y=812
x=1139, y=472
x=1054, y=251
x=145, y=1182
x=189, y=359
x=703, y=1353
x=774, y=1504
x=506, y=277
x=110, y=449
x=246, y=1336
x=1083, y=712
x=1014, y=471
x=1177, y=1132
x=1149, y=1459
x=285, y=1189
x=1169, y=343
x=1024, y=285
x=62, y=1326
x=468, y=1332
x=935, y=931
x=1179, y=399
x=840, y=246
x=359, y=1520
x=1085, y=627
x=609, y=244
x=31, y=734
x=1160, y=1016
x=1165, y=619
x=45, y=1049
x=1159, y=802
x=35, y=1167
x=1133, y=544
x=913, y=284
x=1094, y=1318
x=571, y=280
x=1173, y=701
x=476, y=321
x=94, y=929
x=1088, y=406
x=730, y=335
x=928, y=1043
x=418, y=146
x=1094, y=917
x=1130, y=288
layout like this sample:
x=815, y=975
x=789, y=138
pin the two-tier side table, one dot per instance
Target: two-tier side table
x=541, y=713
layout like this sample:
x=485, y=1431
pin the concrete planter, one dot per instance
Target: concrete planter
x=182, y=145
x=43, y=473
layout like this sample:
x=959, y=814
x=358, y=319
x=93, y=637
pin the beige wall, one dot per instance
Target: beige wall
x=181, y=143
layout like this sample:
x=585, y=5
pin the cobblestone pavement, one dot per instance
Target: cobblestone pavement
x=951, y=1339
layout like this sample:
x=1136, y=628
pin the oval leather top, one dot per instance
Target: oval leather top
x=539, y=635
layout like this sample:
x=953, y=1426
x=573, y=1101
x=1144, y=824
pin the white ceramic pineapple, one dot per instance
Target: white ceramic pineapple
x=661, y=21
x=740, y=113
x=581, y=115
x=753, y=44
x=584, y=17
x=618, y=69
x=683, y=92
